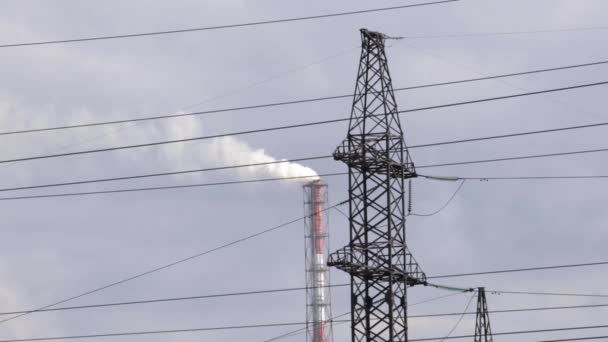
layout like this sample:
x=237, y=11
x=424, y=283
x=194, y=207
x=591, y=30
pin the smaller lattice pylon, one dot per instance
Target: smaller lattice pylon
x=483, y=331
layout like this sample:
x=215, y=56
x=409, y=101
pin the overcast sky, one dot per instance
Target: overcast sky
x=55, y=248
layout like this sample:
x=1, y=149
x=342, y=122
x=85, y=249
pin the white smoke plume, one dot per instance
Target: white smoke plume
x=180, y=156
x=234, y=152
x=225, y=151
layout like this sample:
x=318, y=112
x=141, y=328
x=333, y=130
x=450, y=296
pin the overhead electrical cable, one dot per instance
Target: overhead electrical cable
x=204, y=185
x=168, y=265
x=540, y=177
x=519, y=270
x=257, y=326
x=506, y=33
x=166, y=300
x=227, y=167
x=173, y=173
x=559, y=102
x=520, y=177
x=503, y=311
x=534, y=156
x=220, y=27
x=511, y=135
x=271, y=229
x=168, y=187
x=224, y=183
x=308, y=124
x=294, y=289
x=445, y=205
x=285, y=103
x=587, y=338
x=459, y=319
x=276, y=76
x=517, y=332
x=542, y=308
x=222, y=94
x=333, y=319
x=559, y=294
x=300, y=330
x=293, y=333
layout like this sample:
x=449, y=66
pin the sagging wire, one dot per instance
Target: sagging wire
x=466, y=309
x=445, y=205
x=334, y=320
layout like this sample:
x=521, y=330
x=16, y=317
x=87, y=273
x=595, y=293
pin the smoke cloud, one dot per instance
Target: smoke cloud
x=231, y=151
x=183, y=156
x=224, y=151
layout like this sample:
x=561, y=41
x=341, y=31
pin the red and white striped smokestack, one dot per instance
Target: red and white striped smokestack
x=319, y=234
x=318, y=299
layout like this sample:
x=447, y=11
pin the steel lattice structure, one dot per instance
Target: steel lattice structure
x=377, y=258
x=483, y=331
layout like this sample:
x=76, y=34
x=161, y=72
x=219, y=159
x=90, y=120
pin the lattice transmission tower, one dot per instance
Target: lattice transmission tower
x=483, y=331
x=377, y=258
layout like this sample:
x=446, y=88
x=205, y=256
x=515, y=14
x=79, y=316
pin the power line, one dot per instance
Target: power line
x=535, y=156
x=295, y=332
x=254, y=326
x=223, y=94
x=171, y=264
x=169, y=187
x=549, y=308
x=459, y=318
x=203, y=185
x=520, y=332
x=333, y=319
x=325, y=157
x=117, y=148
x=470, y=68
x=512, y=135
x=308, y=124
x=98, y=289
x=158, y=332
x=520, y=270
x=295, y=289
x=293, y=102
x=577, y=339
x=544, y=308
x=532, y=177
x=506, y=33
x=220, y=27
x=444, y=205
x=172, y=173
x=253, y=236
x=201, y=297
x=270, y=78
x=292, y=289
x=560, y=294
x=162, y=300
x=227, y=167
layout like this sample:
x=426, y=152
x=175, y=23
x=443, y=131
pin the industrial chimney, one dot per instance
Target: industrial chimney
x=318, y=301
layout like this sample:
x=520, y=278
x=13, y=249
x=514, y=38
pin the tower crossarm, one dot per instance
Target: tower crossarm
x=353, y=261
x=361, y=153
